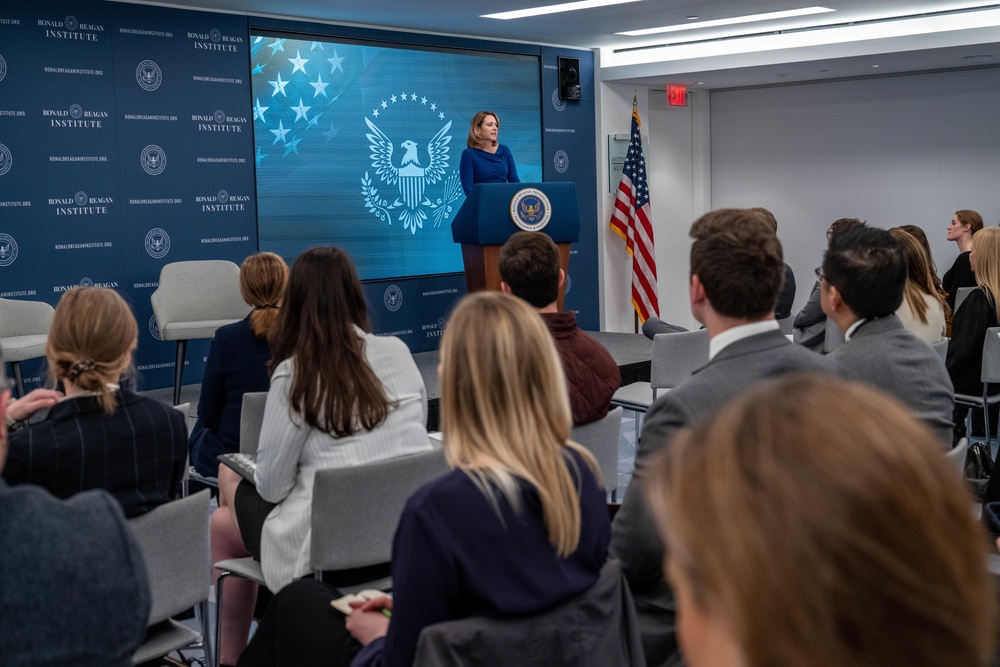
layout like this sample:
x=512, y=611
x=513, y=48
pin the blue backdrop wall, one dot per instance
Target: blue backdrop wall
x=126, y=142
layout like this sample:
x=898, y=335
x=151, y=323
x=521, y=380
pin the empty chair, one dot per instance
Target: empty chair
x=173, y=539
x=354, y=515
x=601, y=439
x=251, y=418
x=24, y=328
x=675, y=356
x=194, y=299
x=990, y=373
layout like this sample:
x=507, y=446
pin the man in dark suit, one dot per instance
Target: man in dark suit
x=736, y=275
x=861, y=286
x=73, y=587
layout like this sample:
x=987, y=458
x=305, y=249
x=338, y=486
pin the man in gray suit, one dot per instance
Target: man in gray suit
x=736, y=275
x=861, y=286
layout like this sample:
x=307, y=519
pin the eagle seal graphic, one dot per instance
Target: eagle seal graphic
x=410, y=177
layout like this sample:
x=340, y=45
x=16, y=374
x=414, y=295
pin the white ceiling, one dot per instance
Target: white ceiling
x=897, y=35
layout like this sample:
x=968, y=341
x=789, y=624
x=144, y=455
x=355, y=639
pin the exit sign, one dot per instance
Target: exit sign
x=677, y=96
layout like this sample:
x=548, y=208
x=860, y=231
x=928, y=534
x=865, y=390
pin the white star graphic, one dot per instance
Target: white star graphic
x=434, y=107
x=258, y=111
x=319, y=85
x=404, y=97
x=300, y=111
x=332, y=132
x=423, y=100
x=315, y=44
x=279, y=134
x=393, y=98
x=277, y=45
x=299, y=62
x=292, y=146
x=335, y=62
x=279, y=86
x=260, y=155
x=375, y=112
x=413, y=97
x=385, y=105
x=441, y=115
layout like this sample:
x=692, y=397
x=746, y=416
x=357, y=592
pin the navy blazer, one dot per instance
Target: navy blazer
x=138, y=452
x=237, y=363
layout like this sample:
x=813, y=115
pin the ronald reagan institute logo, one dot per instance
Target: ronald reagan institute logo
x=157, y=243
x=8, y=249
x=148, y=75
x=153, y=160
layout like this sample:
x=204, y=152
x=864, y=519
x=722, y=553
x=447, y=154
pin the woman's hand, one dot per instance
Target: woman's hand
x=35, y=400
x=369, y=621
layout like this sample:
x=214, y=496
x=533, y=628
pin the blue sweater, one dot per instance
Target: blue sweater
x=453, y=558
x=479, y=166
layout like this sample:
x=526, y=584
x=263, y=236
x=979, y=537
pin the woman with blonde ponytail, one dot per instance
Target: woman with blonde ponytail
x=237, y=362
x=518, y=526
x=100, y=435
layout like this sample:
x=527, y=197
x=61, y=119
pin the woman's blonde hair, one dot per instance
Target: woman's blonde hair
x=986, y=245
x=505, y=409
x=821, y=523
x=92, y=336
x=919, y=278
x=474, y=141
x=263, y=278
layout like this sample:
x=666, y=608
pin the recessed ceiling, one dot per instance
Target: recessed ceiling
x=937, y=47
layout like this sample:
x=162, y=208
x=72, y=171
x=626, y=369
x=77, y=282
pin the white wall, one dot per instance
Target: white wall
x=892, y=151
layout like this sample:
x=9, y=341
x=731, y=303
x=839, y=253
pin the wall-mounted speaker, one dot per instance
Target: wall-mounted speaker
x=569, y=78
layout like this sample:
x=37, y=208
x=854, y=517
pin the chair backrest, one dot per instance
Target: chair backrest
x=941, y=347
x=251, y=417
x=991, y=356
x=834, y=337
x=961, y=295
x=676, y=356
x=24, y=318
x=601, y=439
x=355, y=510
x=787, y=325
x=197, y=291
x=956, y=456
x=173, y=539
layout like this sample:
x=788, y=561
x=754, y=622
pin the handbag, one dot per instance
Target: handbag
x=978, y=468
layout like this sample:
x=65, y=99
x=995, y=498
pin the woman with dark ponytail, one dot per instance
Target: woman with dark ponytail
x=100, y=435
x=237, y=362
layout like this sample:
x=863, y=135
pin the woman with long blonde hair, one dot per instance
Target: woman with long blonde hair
x=977, y=314
x=924, y=310
x=856, y=550
x=519, y=525
x=100, y=435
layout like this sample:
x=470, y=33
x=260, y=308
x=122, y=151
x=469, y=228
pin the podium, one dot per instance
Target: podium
x=487, y=219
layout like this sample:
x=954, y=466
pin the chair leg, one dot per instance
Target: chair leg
x=18, y=381
x=211, y=659
x=216, y=650
x=179, y=370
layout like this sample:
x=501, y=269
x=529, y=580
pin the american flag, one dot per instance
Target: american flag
x=631, y=220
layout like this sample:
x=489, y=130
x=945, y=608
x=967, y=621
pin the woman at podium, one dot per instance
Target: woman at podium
x=485, y=160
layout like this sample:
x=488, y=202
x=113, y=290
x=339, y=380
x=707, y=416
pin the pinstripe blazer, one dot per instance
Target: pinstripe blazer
x=138, y=452
x=291, y=452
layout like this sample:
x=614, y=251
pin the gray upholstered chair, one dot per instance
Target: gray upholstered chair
x=941, y=347
x=251, y=419
x=956, y=456
x=601, y=439
x=961, y=295
x=990, y=374
x=834, y=337
x=24, y=329
x=675, y=356
x=355, y=511
x=192, y=300
x=173, y=539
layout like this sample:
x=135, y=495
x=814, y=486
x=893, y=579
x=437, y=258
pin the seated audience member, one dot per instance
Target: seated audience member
x=340, y=396
x=969, y=324
x=862, y=282
x=857, y=549
x=965, y=224
x=809, y=327
x=100, y=436
x=918, y=233
x=787, y=294
x=237, y=363
x=736, y=274
x=924, y=310
x=519, y=526
x=73, y=587
x=529, y=269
